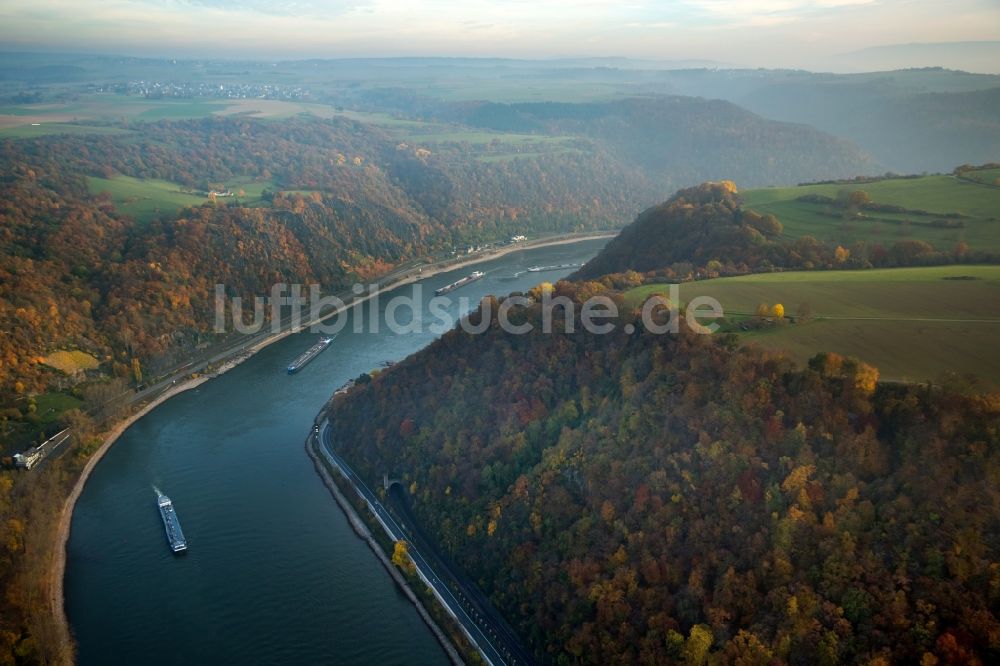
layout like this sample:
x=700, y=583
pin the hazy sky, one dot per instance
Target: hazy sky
x=751, y=32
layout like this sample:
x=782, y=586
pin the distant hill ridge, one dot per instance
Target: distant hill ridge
x=684, y=140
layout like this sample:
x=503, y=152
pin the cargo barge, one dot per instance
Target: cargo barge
x=309, y=355
x=459, y=283
x=539, y=269
x=171, y=524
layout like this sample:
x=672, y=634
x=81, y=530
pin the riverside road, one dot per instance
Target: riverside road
x=495, y=648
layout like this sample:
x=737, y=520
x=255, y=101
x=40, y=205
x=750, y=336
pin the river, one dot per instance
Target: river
x=274, y=573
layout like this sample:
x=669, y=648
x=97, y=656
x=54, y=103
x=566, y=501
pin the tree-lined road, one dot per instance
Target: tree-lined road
x=493, y=648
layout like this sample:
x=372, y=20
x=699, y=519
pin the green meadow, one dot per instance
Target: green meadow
x=180, y=109
x=50, y=406
x=914, y=324
x=507, y=156
x=974, y=209
x=56, y=118
x=495, y=146
x=16, y=120
x=44, y=128
x=145, y=199
x=530, y=89
x=445, y=134
x=987, y=176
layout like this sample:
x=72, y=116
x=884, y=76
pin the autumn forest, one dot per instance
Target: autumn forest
x=754, y=496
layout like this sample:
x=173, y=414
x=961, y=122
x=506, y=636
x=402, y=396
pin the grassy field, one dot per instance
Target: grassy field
x=107, y=106
x=54, y=118
x=912, y=323
x=16, y=120
x=489, y=146
x=71, y=362
x=425, y=133
x=988, y=176
x=180, y=109
x=252, y=190
x=144, y=199
x=507, y=156
x=444, y=134
x=529, y=89
x=385, y=120
x=44, y=128
x=50, y=406
x=978, y=204
x=114, y=107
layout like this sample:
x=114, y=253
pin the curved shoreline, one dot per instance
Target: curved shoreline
x=365, y=535
x=415, y=275
x=57, y=569
x=57, y=598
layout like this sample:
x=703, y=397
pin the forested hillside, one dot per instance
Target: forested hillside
x=652, y=499
x=95, y=299
x=95, y=261
x=340, y=202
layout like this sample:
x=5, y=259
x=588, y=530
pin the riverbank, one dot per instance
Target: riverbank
x=507, y=249
x=58, y=568
x=237, y=355
x=365, y=534
x=417, y=274
x=410, y=276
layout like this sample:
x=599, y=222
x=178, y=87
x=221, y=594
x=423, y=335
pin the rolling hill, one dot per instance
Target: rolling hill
x=875, y=222
x=935, y=323
x=682, y=141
